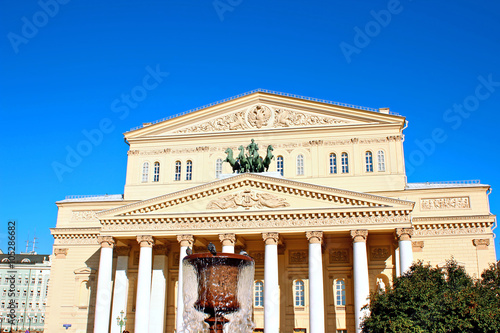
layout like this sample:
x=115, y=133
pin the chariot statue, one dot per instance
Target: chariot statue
x=251, y=162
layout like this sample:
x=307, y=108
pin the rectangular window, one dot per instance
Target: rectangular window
x=300, y=165
x=156, y=175
x=189, y=170
x=259, y=293
x=177, y=170
x=381, y=161
x=345, y=163
x=279, y=165
x=333, y=163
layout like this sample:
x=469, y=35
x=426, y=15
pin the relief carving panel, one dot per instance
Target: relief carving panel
x=298, y=257
x=339, y=256
x=445, y=203
x=248, y=199
x=380, y=253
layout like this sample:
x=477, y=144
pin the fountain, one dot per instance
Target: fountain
x=218, y=291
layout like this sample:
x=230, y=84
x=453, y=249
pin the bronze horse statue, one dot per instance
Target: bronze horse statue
x=230, y=159
x=246, y=163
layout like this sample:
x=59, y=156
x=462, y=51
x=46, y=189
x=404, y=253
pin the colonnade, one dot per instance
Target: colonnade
x=151, y=283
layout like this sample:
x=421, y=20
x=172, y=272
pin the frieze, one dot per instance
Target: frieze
x=339, y=256
x=230, y=122
x=289, y=118
x=250, y=222
x=298, y=257
x=451, y=231
x=84, y=215
x=445, y=203
x=248, y=199
x=379, y=253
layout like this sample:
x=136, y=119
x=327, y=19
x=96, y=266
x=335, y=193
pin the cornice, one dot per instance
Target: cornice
x=260, y=182
x=490, y=218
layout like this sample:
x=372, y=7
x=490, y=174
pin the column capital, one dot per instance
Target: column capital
x=314, y=237
x=60, y=253
x=271, y=238
x=122, y=251
x=161, y=250
x=359, y=235
x=185, y=240
x=404, y=234
x=227, y=239
x=145, y=241
x=106, y=241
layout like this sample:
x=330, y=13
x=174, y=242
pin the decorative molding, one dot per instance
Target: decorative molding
x=417, y=246
x=380, y=253
x=261, y=182
x=289, y=118
x=75, y=236
x=145, y=241
x=298, y=257
x=339, y=256
x=404, y=234
x=246, y=222
x=227, y=239
x=259, y=257
x=185, y=240
x=161, y=250
x=314, y=237
x=258, y=116
x=84, y=215
x=455, y=218
x=106, y=241
x=60, y=253
x=445, y=203
x=359, y=235
x=451, y=231
x=481, y=244
x=248, y=199
x=122, y=251
x=270, y=238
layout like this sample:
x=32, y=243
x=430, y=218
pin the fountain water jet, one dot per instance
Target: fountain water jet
x=218, y=290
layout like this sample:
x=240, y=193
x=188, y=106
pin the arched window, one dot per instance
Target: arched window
x=299, y=293
x=218, y=167
x=189, y=170
x=340, y=293
x=333, y=163
x=279, y=165
x=345, y=163
x=156, y=176
x=300, y=165
x=177, y=170
x=381, y=160
x=259, y=293
x=145, y=172
x=369, y=161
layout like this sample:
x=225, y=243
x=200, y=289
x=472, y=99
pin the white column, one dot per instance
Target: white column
x=361, y=282
x=405, y=248
x=271, y=286
x=158, y=288
x=228, y=241
x=185, y=241
x=103, y=297
x=120, y=290
x=316, y=295
x=143, y=298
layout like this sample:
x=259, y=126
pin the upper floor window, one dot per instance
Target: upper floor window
x=177, y=170
x=279, y=165
x=299, y=293
x=218, y=167
x=333, y=163
x=300, y=165
x=369, y=161
x=259, y=293
x=189, y=170
x=145, y=172
x=340, y=293
x=345, y=163
x=381, y=160
x=156, y=176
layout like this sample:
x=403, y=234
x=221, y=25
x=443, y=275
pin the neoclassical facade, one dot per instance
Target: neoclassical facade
x=332, y=220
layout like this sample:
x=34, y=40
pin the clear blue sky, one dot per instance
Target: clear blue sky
x=65, y=67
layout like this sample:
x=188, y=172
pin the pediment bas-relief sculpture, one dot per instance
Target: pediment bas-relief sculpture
x=248, y=199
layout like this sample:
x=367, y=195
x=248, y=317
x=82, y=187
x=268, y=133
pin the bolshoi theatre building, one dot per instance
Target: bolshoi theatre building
x=332, y=219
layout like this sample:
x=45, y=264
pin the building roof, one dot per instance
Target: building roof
x=98, y=197
x=25, y=258
x=444, y=184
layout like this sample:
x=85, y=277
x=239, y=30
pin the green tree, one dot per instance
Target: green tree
x=431, y=299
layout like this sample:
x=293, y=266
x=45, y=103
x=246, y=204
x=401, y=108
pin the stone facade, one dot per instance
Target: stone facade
x=335, y=206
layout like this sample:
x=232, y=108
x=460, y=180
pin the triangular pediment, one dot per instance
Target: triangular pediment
x=254, y=194
x=264, y=111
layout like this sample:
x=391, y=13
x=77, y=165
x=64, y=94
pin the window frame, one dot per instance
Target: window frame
x=280, y=165
x=177, y=170
x=145, y=172
x=218, y=167
x=345, y=162
x=156, y=172
x=300, y=164
x=258, y=294
x=368, y=161
x=299, y=295
x=189, y=170
x=381, y=161
x=332, y=160
x=340, y=293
